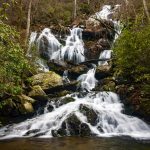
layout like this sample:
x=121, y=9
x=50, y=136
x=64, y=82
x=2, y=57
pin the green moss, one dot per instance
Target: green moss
x=46, y=80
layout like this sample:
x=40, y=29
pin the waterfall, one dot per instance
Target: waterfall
x=88, y=80
x=107, y=120
x=47, y=43
x=49, y=47
x=106, y=54
x=106, y=14
x=73, y=50
x=39, y=62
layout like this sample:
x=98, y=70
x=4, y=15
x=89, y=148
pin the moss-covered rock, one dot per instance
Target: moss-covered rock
x=46, y=80
x=37, y=93
x=24, y=104
x=18, y=105
x=7, y=107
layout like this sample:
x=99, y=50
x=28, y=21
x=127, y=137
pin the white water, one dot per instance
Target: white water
x=53, y=44
x=106, y=54
x=48, y=45
x=88, y=80
x=107, y=14
x=106, y=105
x=73, y=50
x=39, y=62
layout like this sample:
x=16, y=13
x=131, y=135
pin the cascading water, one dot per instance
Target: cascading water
x=98, y=113
x=42, y=66
x=73, y=50
x=106, y=14
x=88, y=80
x=47, y=42
x=107, y=120
x=50, y=48
x=106, y=54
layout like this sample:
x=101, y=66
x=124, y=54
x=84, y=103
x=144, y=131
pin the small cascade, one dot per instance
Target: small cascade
x=107, y=14
x=65, y=77
x=101, y=114
x=39, y=62
x=47, y=43
x=73, y=50
x=106, y=54
x=42, y=65
x=88, y=80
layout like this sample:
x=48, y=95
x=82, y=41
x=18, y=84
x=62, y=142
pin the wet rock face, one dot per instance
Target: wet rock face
x=43, y=48
x=72, y=127
x=66, y=100
x=90, y=114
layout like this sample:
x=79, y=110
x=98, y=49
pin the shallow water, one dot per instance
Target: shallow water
x=75, y=143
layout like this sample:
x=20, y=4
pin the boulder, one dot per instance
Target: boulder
x=17, y=105
x=37, y=93
x=72, y=126
x=7, y=107
x=90, y=114
x=56, y=91
x=57, y=66
x=24, y=104
x=103, y=71
x=66, y=100
x=28, y=107
x=23, y=98
x=46, y=80
x=75, y=71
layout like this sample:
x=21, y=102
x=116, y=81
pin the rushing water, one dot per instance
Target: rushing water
x=75, y=143
x=106, y=54
x=88, y=80
x=73, y=50
x=107, y=109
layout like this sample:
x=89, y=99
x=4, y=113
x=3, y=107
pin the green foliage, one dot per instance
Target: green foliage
x=132, y=51
x=13, y=63
x=85, y=9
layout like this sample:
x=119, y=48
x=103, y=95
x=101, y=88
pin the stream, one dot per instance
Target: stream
x=75, y=143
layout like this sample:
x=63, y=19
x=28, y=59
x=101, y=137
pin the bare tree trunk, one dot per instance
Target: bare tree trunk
x=28, y=22
x=146, y=10
x=20, y=15
x=75, y=9
x=88, y=2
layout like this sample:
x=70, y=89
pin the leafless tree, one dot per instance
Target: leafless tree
x=146, y=9
x=28, y=21
x=75, y=9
